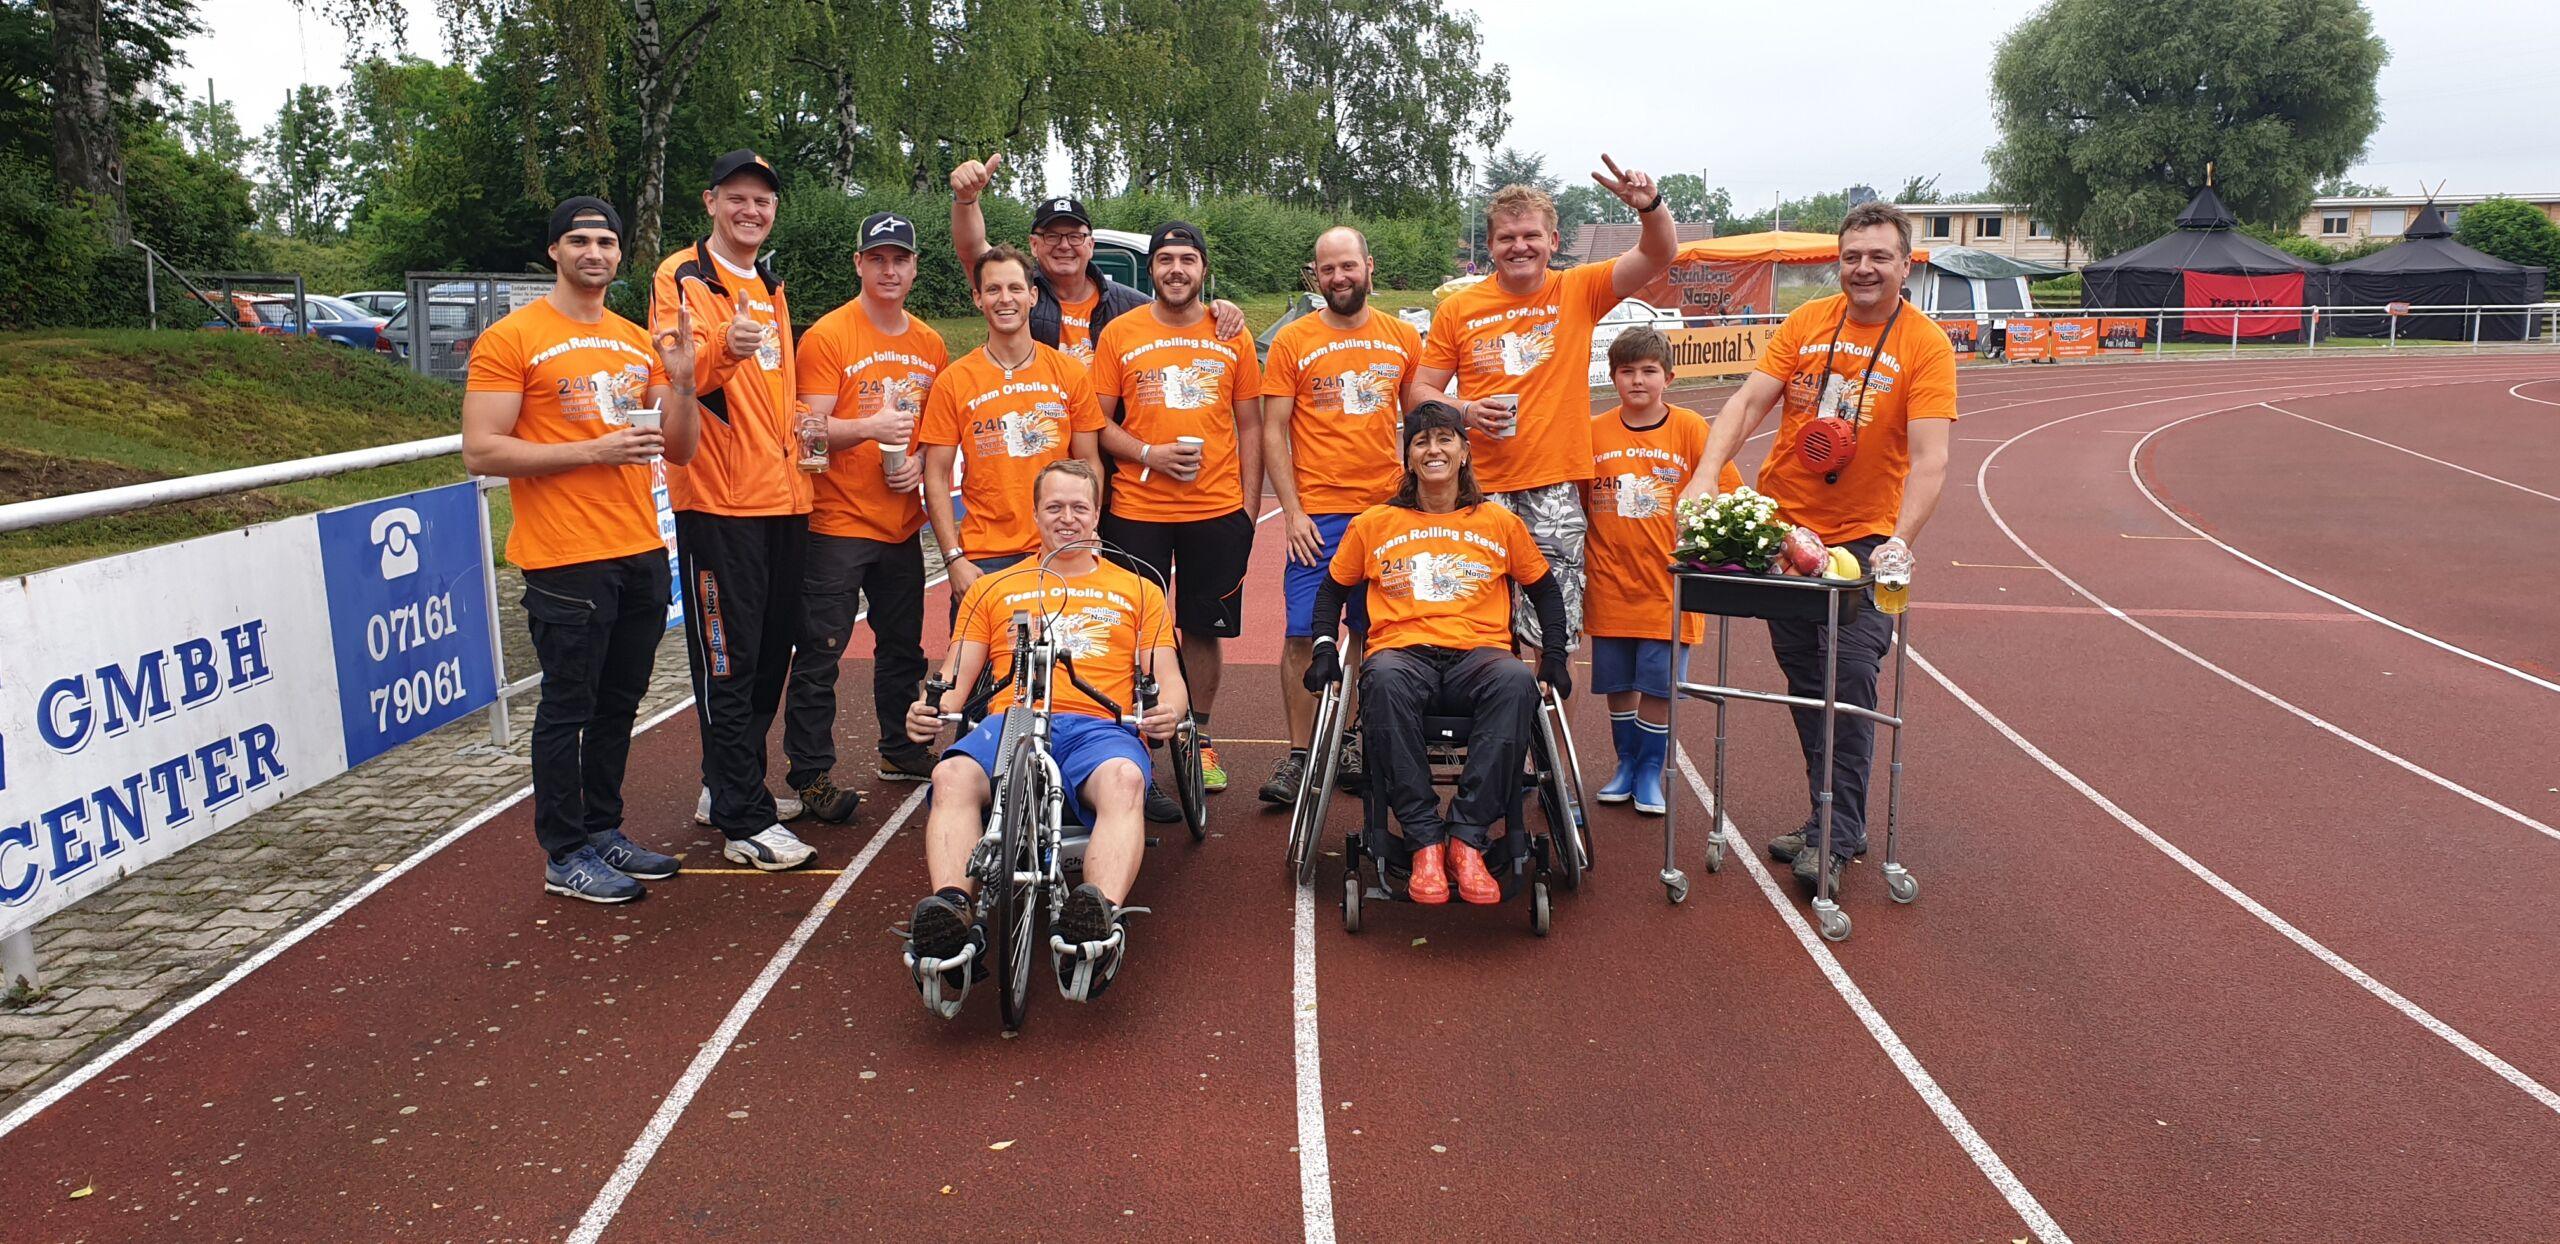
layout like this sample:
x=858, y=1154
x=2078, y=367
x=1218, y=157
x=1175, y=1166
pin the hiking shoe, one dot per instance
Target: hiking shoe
x=630, y=858
x=585, y=875
x=1283, y=787
x=775, y=850
x=1804, y=868
x=1786, y=847
x=1213, y=776
x=829, y=802
x=1351, y=775
x=912, y=763
x=1161, y=807
x=785, y=808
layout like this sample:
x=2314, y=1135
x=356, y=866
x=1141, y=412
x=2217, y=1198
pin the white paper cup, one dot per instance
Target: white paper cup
x=1194, y=442
x=892, y=458
x=652, y=418
x=1509, y=402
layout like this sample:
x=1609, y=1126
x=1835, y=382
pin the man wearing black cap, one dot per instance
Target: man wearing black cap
x=572, y=404
x=1186, y=410
x=866, y=366
x=742, y=507
x=1077, y=300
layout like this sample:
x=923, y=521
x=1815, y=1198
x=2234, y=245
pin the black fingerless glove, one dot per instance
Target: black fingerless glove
x=1326, y=669
x=1555, y=668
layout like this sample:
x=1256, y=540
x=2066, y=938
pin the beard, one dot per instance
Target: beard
x=1348, y=301
x=1171, y=301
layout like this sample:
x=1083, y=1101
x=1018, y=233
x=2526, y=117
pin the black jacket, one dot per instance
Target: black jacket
x=1115, y=299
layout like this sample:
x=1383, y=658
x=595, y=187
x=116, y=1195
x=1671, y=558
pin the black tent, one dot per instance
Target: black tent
x=2203, y=266
x=2429, y=269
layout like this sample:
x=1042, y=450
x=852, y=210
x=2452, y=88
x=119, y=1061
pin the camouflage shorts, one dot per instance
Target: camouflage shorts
x=1556, y=521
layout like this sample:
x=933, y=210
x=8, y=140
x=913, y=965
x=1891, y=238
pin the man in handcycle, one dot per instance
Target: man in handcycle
x=1108, y=625
x=1433, y=559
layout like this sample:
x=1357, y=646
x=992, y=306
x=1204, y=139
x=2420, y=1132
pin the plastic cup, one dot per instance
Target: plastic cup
x=1193, y=441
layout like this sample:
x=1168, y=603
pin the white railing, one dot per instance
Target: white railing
x=2541, y=321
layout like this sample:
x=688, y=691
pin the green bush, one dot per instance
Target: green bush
x=336, y=266
x=2512, y=230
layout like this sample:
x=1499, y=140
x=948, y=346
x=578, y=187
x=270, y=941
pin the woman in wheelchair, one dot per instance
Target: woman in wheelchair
x=1434, y=559
x=1107, y=623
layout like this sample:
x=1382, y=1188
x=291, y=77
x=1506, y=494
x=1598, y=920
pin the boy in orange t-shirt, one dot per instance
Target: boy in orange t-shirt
x=572, y=404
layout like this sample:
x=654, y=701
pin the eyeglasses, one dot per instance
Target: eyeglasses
x=1063, y=237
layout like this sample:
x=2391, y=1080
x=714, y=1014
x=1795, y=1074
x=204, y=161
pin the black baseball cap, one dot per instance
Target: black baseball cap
x=1061, y=208
x=1178, y=233
x=582, y=212
x=1431, y=415
x=886, y=229
x=744, y=161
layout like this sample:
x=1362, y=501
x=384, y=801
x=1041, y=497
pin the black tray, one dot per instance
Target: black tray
x=1782, y=599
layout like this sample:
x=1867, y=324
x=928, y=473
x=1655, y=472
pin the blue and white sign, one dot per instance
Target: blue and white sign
x=408, y=616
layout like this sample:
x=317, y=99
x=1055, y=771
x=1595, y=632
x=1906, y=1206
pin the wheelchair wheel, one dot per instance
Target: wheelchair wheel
x=1315, y=786
x=1190, y=788
x=1016, y=887
x=1568, y=850
x=1576, y=798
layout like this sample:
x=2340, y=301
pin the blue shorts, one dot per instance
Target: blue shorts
x=1079, y=743
x=1639, y=665
x=1301, y=582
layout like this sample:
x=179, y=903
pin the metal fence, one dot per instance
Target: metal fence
x=447, y=311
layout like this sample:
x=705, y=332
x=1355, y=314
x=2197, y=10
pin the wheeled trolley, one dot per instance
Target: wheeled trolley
x=1831, y=602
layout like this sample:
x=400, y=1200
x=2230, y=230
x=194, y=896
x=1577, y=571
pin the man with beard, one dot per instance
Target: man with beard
x=1187, y=429
x=572, y=403
x=866, y=366
x=742, y=507
x=1329, y=394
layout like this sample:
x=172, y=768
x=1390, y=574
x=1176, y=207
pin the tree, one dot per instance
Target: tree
x=1689, y=198
x=211, y=128
x=1512, y=167
x=306, y=192
x=2109, y=113
x=2344, y=188
x=2512, y=230
x=88, y=163
x=1398, y=92
x=1577, y=206
x=1918, y=189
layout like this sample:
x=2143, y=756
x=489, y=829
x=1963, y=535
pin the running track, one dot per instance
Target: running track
x=2231, y=797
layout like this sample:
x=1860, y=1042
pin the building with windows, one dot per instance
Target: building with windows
x=2000, y=228
x=2345, y=220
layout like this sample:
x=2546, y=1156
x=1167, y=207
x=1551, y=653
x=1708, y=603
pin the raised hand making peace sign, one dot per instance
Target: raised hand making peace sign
x=1633, y=187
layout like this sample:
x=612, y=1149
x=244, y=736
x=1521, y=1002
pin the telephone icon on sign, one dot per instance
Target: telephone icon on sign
x=396, y=530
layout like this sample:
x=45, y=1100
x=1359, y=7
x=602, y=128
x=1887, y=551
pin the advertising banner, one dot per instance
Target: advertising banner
x=1733, y=350
x=2074, y=337
x=1966, y=336
x=1703, y=288
x=408, y=615
x=2030, y=340
x=2206, y=289
x=2122, y=332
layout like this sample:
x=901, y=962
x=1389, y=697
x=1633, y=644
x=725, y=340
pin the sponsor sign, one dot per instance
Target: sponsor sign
x=1731, y=350
x=1699, y=288
x=2239, y=293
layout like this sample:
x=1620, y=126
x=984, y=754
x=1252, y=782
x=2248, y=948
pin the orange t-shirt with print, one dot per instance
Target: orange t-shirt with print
x=746, y=464
x=846, y=357
x=1435, y=580
x=1075, y=326
x=1537, y=346
x=1636, y=478
x=1102, y=619
x=1344, y=387
x=1176, y=381
x=1007, y=425
x=578, y=380
x=1914, y=378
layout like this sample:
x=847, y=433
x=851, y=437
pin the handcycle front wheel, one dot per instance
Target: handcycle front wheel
x=1015, y=888
x=1315, y=785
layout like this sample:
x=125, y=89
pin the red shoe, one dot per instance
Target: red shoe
x=1430, y=880
x=1474, y=884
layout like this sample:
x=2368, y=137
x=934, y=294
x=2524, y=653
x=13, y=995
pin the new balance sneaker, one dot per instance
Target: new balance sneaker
x=775, y=850
x=1283, y=787
x=630, y=858
x=785, y=808
x=911, y=763
x=829, y=802
x=1161, y=807
x=585, y=875
x=1213, y=776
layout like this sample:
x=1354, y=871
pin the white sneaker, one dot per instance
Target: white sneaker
x=785, y=808
x=775, y=850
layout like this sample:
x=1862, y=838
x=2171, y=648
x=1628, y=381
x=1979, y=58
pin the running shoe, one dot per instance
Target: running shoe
x=1161, y=807
x=630, y=858
x=585, y=875
x=939, y=929
x=1283, y=786
x=1087, y=917
x=785, y=808
x=1213, y=776
x=911, y=763
x=775, y=850
x=829, y=802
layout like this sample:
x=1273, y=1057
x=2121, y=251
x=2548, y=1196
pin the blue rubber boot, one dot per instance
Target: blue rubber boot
x=1653, y=747
x=1622, y=731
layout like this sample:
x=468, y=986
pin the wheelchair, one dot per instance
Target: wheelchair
x=1021, y=861
x=1519, y=859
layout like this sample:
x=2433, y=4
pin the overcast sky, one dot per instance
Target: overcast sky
x=1756, y=98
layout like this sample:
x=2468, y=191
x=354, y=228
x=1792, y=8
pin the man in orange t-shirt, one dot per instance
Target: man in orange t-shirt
x=1004, y=410
x=742, y=507
x=1865, y=359
x=1185, y=406
x=572, y=404
x=866, y=367
x=1329, y=405
x=1519, y=344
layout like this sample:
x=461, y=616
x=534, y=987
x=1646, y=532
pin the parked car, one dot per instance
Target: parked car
x=453, y=324
x=1627, y=314
x=383, y=303
x=331, y=320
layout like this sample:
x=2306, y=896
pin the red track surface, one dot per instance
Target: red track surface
x=460, y=1057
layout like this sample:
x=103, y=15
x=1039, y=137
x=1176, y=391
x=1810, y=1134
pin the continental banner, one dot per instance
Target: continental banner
x=1732, y=350
x=1699, y=288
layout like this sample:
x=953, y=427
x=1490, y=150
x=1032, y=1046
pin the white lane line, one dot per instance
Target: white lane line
x=609, y=1201
x=95, y=1067
x=2412, y=453
x=1935, y=1097
x=2133, y=465
x=1315, y=1167
x=2514, y=392
x=1981, y=487
x=2473, y=1049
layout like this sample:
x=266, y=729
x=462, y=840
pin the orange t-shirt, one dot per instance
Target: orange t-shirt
x=1176, y=381
x=1102, y=619
x=1435, y=579
x=1008, y=426
x=1344, y=387
x=1636, y=478
x=746, y=465
x=577, y=380
x=1538, y=347
x=844, y=357
x=1075, y=327
x=1914, y=378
